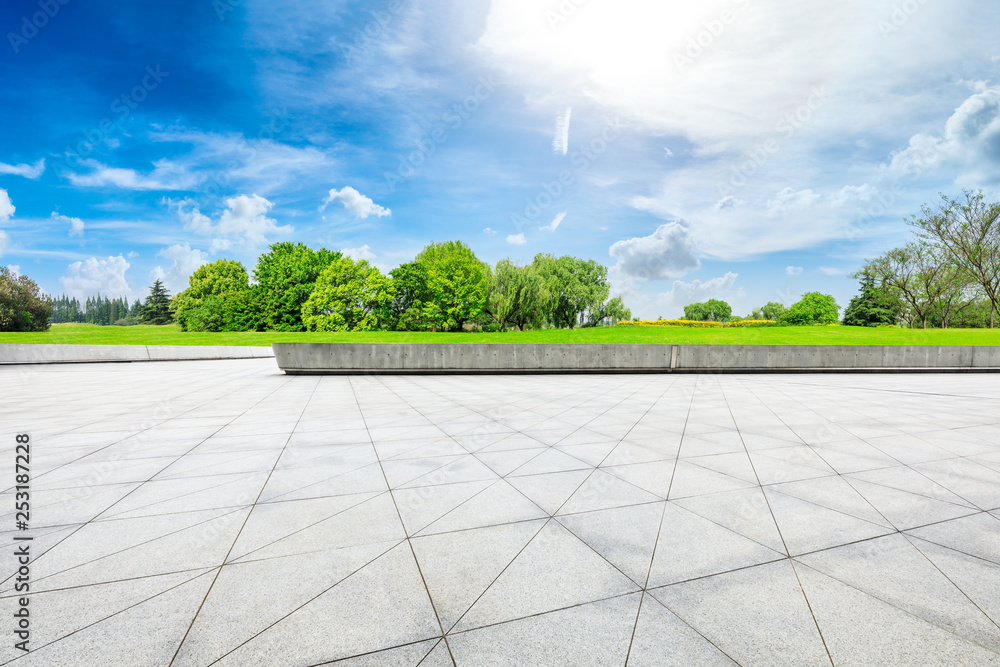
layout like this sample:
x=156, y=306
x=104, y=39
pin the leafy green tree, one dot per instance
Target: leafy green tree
x=410, y=293
x=773, y=310
x=217, y=298
x=969, y=234
x=712, y=310
x=156, y=309
x=23, y=307
x=349, y=296
x=575, y=286
x=613, y=310
x=285, y=278
x=457, y=283
x=873, y=306
x=813, y=308
x=517, y=295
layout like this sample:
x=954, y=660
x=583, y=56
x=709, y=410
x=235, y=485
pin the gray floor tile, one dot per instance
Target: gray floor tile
x=663, y=640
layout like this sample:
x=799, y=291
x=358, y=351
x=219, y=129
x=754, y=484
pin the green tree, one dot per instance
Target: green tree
x=575, y=286
x=813, y=308
x=969, y=234
x=517, y=295
x=457, y=283
x=349, y=296
x=410, y=294
x=23, y=307
x=773, y=310
x=285, y=278
x=873, y=306
x=156, y=309
x=712, y=310
x=217, y=298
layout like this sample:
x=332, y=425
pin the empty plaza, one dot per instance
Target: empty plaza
x=223, y=513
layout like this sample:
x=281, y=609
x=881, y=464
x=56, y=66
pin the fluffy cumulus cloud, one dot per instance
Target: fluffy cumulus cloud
x=516, y=239
x=793, y=270
x=970, y=141
x=31, y=171
x=91, y=276
x=364, y=252
x=666, y=253
x=683, y=293
x=6, y=206
x=356, y=203
x=75, y=224
x=244, y=220
x=183, y=261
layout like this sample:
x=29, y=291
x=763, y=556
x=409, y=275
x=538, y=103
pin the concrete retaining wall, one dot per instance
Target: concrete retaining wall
x=354, y=358
x=76, y=354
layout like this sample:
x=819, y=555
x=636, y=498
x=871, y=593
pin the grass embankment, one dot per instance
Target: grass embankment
x=89, y=334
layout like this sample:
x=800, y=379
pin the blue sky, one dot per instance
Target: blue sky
x=736, y=149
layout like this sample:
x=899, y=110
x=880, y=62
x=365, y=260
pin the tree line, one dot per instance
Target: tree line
x=947, y=276
x=445, y=288
x=99, y=310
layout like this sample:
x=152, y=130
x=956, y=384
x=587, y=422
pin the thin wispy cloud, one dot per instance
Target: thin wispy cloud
x=560, y=142
x=552, y=226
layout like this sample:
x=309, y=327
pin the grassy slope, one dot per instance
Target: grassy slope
x=88, y=334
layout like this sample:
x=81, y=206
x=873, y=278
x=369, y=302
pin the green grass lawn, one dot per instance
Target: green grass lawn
x=89, y=334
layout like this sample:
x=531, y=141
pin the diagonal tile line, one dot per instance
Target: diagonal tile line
x=848, y=479
x=131, y=435
x=409, y=542
x=243, y=525
x=394, y=544
x=422, y=660
x=380, y=650
x=137, y=487
x=679, y=618
x=321, y=481
x=910, y=539
x=945, y=546
x=241, y=558
x=110, y=616
x=659, y=529
x=791, y=562
x=905, y=611
x=243, y=477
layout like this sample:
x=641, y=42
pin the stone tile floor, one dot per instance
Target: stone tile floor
x=221, y=513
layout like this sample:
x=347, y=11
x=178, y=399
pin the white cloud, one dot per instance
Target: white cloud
x=789, y=199
x=166, y=175
x=696, y=291
x=244, y=220
x=14, y=269
x=356, y=203
x=552, y=226
x=4, y=242
x=218, y=245
x=6, y=207
x=830, y=271
x=31, y=171
x=364, y=252
x=516, y=239
x=489, y=231
x=667, y=152
x=93, y=276
x=560, y=142
x=793, y=270
x=184, y=261
x=75, y=224
x=666, y=253
x=970, y=141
